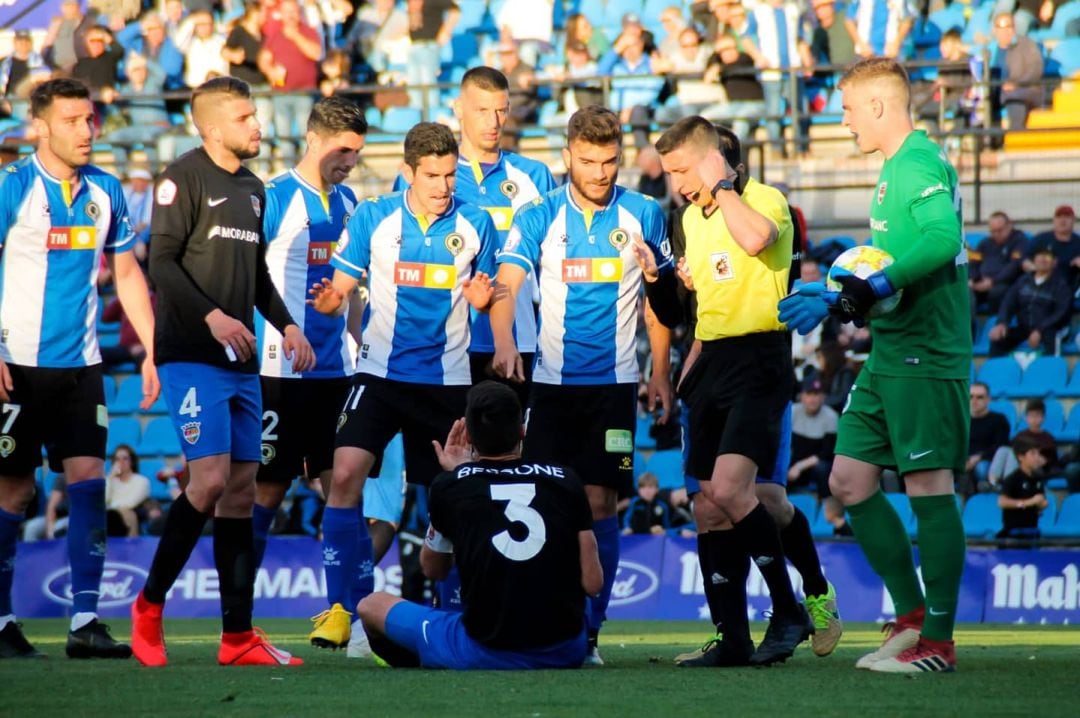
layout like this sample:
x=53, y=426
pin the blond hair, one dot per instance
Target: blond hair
x=883, y=70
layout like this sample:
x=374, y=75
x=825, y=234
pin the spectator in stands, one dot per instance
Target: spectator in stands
x=148, y=38
x=289, y=58
x=379, y=36
x=1023, y=496
x=241, y=51
x=1034, y=310
x=203, y=50
x=138, y=115
x=128, y=350
x=524, y=94
x=54, y=523
x=989, y=432
x=781, y=47
x=635, y=95
x=100, y=68
x=65, y=41
x=529, y=23
x=140, y=202
x=734, y=70
x=804, y=348
x=653, y=182
x=674, y=23
x=126, y=491
x=952, y=94
x=431, y=23
x=647, y=512
x=692, y=93
x=995, y=263
x=830, y=42
x=836, y=375
x=1018, y=63
x=1034, y=418
x=813, y=439
x=335, y=73
x=579, y=29
x=879, y=27
x=173, y=14
x=579, y=65
x=15, y=69
x=1063, y=241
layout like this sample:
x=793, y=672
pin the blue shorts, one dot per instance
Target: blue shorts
x=214, y=410
x=783, y=456
x=384, y=497
x=439, y=639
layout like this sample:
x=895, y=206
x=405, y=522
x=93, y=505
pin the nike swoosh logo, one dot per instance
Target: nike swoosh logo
x=914, y=457
x=215, y=202
x=423, y=629
x=938, y=613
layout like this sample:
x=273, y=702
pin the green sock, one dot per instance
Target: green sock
x=941, y=553
x=885, y=542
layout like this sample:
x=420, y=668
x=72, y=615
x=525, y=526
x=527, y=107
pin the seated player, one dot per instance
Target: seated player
x=521, y=534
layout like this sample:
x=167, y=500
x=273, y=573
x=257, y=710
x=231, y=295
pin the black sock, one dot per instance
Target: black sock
x=799, y=547
x=758, y=536
x=234, y=556
x=397, y=656
x=183, y=526
x=712, y=597
x=728, y=570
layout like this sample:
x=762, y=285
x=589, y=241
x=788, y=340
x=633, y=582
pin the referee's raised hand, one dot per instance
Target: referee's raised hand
x=232, y=334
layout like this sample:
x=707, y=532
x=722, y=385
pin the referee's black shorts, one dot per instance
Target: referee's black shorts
x=737, y=392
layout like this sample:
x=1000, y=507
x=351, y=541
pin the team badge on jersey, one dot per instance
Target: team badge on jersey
x=256, y=204
x=341, y=420
x=455, y=243
x=509, y=188
x=93, y=211
x=881, y=192
x=721, y=264
x=619, y=238
x=7, y=446
x=192, y=431
x=166, y=192
x=267, y=453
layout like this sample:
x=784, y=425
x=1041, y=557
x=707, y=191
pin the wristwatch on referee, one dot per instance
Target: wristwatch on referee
x=724, y=184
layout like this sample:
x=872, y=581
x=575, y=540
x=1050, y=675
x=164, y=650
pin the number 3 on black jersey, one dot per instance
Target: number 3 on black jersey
x=518, y=498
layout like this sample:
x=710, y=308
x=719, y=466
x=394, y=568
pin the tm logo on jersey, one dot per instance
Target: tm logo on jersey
x=319, y=253
x=592, y=270
x=72, y=238
x=429, y=276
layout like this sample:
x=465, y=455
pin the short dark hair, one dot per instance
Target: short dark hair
x=68, y=88
x=1023, y=444
x=983, y=384
x=226, y=85
x=486, y=78
x=427, y=139
x=334, y=115
x=694, y=129
x=596, y=125
x=952, y=34
x=730, y=146
x=493, y=418
x=131, y=453
x=1036, y=405
x=1000, y=215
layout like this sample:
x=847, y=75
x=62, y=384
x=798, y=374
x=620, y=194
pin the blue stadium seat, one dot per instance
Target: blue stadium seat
x=974, y=238
x=1006, y=408
x=1070, y=433
x=399, y=120
x=615, y=9
x=462, y=50
x=1067, y=55
x=1043, y=377
x=1065, y=15
x=128, y=396
x=819, y=526
x=159, y=438
x=108, y=338
x=374, y=118
x=472, y=16
x=902, y=504
x=807, y=503
x=123, y=430
x=668, y=467
x=999, y=374
x=978, y=23
x=1049, y=514
x=982, y=517
x=1067, y=523
x=110, y=388
x=1072, y=389
x=981, y=347
x=642, y=440
x=1059, y=483
x=948, y=18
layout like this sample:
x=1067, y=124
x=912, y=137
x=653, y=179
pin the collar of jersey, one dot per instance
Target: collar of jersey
x=580, y=210
x=449, y=210
x=48, y=175
x=310, y=187
x=477, y=169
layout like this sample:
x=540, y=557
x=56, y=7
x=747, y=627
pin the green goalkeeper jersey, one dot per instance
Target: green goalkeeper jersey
x=915, y=217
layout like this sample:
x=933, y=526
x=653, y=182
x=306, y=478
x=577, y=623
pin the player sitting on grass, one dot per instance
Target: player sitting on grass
x=521, y=534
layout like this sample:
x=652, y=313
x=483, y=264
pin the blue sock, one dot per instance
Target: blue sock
x=363, y=583
x=607, y=541
x=86, y=542
x=262, y=519
x=341, y=531
x=9, y=533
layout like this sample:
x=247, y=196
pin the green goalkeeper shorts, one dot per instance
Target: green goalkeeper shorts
x=905, y=423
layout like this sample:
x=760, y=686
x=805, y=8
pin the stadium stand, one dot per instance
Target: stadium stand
x=1000, y=373
x=1044, y=377
x=1067, y=522
x=159, y=438
x=123, y=430
x=981, y=517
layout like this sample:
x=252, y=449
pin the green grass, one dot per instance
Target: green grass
x=1004, y=670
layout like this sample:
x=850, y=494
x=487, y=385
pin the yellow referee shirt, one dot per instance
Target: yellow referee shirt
x=736, y=293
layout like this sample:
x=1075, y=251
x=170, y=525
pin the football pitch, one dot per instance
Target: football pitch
x=1003, y=670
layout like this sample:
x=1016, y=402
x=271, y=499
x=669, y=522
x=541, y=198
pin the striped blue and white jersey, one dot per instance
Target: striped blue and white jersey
x=501, y=189
x=51, y=245
x=302, y=225
x=589, y=282
x=879, y=21
x=416, y=328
